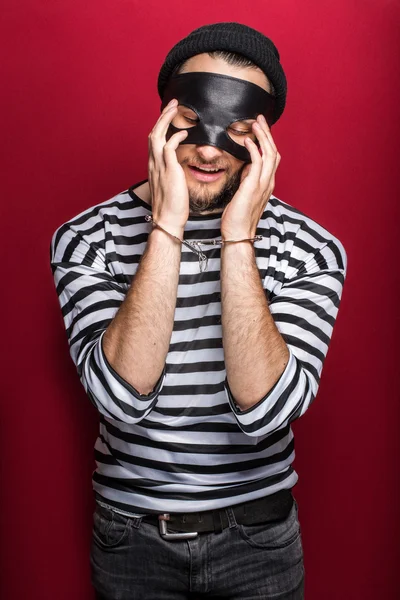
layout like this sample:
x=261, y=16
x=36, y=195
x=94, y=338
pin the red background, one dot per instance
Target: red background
x=78, y=100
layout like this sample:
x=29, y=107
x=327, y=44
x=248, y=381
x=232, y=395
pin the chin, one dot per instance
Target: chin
x=212, y=195
x=207, y=199
x=205, y=189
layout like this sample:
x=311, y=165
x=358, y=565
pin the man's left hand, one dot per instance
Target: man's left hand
x=242, y=215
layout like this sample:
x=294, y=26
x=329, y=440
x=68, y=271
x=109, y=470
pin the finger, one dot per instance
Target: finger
x=172, y=104
x=164, y=121
x=170, y=147
x=157, y=139
x=256, y=161
x=262, y=121
x=159, y=131
x=167, y=107
x=265, y=148
x=268, y=153
x=176, y=139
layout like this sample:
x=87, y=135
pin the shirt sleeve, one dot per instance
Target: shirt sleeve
x=305, y=312
x=90, y=295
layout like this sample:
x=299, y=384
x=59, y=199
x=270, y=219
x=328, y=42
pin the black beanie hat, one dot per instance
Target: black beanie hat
x=232, y=37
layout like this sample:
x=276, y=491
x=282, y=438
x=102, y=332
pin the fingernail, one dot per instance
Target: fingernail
x=262, y=118
x=171, y=102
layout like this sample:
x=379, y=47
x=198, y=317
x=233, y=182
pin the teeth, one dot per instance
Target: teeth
x=208, y=170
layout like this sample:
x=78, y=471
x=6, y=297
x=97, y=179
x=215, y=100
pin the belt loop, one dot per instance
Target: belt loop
x=136, y=521
x=231, y=518
x=217, y=521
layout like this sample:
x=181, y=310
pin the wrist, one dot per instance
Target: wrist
x=160, y=237
x=240, y=247
x=240, y=255
x=237, y=234
x=174, y=224
x=174, y=231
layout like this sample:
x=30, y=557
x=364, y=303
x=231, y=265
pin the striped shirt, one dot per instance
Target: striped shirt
x=187, y=446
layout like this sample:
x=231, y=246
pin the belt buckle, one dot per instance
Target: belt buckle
x=162, y=524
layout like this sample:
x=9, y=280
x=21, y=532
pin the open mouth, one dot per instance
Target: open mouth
x=205, y=173
x=206, y=169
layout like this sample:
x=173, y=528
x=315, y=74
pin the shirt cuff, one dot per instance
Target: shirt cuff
x=111, y=394
x=125, y=384
x=268, y=410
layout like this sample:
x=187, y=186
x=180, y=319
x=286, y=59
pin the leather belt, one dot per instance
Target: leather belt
x=178, y=526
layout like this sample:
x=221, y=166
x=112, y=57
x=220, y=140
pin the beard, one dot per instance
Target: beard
x=201, y=199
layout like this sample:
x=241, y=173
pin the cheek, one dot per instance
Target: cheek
x=185, y=152
x=235, y=165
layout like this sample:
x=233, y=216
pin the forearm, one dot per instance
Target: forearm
x=137, y=340
x=254, y=350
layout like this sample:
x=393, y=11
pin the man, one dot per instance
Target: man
x=199, y=309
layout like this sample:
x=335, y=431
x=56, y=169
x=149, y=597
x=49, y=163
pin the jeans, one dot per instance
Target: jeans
x=131, y=561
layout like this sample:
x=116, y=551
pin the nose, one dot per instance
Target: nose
x=209, y=152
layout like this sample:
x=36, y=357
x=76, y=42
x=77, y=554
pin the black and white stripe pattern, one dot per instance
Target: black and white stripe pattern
x=186, y=446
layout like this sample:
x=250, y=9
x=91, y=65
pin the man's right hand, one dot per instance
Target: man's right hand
x=168, y=187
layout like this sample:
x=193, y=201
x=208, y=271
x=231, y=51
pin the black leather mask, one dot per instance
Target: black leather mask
x=218, y=101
